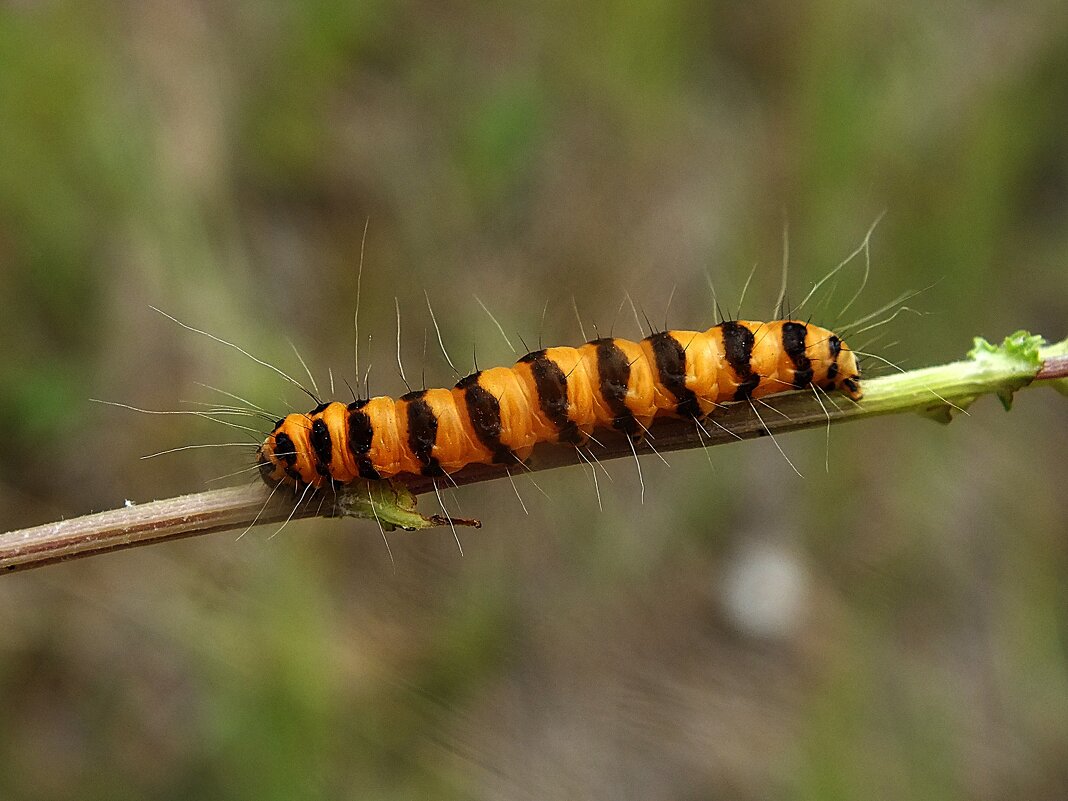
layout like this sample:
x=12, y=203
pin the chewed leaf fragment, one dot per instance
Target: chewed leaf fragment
x=392, y=505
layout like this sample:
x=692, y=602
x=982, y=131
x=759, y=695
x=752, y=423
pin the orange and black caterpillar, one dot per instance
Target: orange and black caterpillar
x=555, y=395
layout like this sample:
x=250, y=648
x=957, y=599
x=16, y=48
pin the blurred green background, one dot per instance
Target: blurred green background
x=893, y=627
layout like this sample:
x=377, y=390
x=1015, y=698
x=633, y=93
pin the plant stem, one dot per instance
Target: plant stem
x=937, y=392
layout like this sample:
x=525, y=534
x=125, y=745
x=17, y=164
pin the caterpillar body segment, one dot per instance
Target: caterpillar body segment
x=559, y=394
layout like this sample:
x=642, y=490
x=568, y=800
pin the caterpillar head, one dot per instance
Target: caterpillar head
x=277, y=457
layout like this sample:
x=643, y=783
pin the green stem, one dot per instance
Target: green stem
x=936, y=392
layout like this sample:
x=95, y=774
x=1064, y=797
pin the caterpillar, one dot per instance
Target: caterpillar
x=558, y=394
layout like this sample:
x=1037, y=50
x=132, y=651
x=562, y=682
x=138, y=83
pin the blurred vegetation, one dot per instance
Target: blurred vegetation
x=894, y=626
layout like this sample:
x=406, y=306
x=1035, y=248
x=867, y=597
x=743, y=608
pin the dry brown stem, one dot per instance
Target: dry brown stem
x=937, y=391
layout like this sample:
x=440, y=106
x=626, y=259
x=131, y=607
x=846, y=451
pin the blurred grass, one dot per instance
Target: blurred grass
x=220, y=162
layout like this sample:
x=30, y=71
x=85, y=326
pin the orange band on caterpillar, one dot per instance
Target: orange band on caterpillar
x=555, y=395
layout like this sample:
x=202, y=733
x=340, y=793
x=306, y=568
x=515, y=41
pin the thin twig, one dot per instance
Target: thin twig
x=1053, y=367
x=934, y=391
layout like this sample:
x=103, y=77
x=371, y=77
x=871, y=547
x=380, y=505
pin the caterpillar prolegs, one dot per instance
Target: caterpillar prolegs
x=559, y=394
